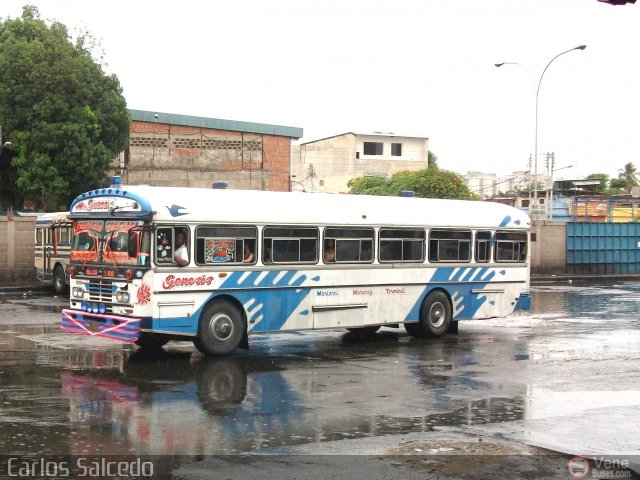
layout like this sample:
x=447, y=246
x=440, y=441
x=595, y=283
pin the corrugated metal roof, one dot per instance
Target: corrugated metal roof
x=216, y=123
x=365, y=134
x=584, y=182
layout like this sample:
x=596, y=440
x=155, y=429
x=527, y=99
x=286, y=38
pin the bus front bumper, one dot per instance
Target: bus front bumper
x=113, y=327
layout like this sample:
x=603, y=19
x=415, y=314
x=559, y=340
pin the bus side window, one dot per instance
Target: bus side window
x=449, y=246
x=348, y=245
x=225, y=244
x=511, y=247
x=483, y=247
x=290, y=244
x=402, y=245
x=164, y=246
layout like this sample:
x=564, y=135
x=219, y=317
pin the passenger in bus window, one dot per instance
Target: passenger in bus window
x=248, y=253
x=180, y=253
x=329, y=251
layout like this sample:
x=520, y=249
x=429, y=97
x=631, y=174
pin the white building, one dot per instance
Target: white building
x=489, y=185
x=329, y=163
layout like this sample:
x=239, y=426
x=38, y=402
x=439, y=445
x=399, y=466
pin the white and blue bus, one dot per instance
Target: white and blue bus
x=280, y=261
x=53, y=239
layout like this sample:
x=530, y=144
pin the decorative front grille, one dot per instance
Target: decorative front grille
x=102, y=291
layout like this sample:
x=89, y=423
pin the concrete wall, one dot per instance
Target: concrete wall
x=549, y=250
x=338, y=159
x=182, y=156
x=16, y=249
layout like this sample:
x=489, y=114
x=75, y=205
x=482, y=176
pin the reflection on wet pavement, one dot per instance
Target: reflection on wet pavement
x=120, y=402
x=575, y=352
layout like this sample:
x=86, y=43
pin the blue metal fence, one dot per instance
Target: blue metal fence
x=597, y=248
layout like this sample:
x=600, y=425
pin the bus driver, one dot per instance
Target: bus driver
x=180, y=254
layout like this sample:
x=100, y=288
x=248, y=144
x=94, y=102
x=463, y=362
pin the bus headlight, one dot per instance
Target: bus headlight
x=122, y=297
x=77, y=292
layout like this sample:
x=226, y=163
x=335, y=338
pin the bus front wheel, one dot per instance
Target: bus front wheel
x=59, y=280
x=221, y=329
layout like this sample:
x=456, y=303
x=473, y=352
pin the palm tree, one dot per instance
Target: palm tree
x=630, y=176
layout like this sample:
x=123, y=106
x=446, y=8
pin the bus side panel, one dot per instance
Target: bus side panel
x=276, y=296
x=287, y=300
x=475, y=292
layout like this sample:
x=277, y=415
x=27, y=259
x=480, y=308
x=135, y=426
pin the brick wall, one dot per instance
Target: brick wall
x=183, y=156
x=277, y=160
x=16, y=249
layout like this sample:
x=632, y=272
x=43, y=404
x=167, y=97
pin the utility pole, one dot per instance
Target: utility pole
x=550, y=161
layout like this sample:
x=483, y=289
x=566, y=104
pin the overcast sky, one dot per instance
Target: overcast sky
x=410, y=67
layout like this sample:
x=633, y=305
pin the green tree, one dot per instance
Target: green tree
x=617, y=186
x=428, y=183
x=66, y=118
x=432, y=160
x=630, y=176
x=369, y=186
x=604, y=181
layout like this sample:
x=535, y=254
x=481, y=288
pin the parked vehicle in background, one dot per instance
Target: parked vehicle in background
x=53, y=239
x=284, y=261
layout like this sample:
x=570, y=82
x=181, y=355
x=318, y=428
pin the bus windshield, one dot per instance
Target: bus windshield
x=100, y=241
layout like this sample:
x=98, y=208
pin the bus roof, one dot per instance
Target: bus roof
x=183, y=205
x=53, y=218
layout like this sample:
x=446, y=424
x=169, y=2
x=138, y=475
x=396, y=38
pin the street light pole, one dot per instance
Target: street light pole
x=535, y=142
x=535, y=153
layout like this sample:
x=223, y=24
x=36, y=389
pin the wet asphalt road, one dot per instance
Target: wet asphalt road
x=564, y=377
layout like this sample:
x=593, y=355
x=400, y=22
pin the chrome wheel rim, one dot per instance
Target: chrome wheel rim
x=437, y=315
x=221, y=327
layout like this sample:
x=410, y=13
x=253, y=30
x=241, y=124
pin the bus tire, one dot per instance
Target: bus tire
x=59, y=280
x=221, y=328
x=151, y=341
x=435, y=314
x=364, y=331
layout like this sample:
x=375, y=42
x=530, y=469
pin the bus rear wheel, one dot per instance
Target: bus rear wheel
x=435, y=316
x=221, y=329
x=59, y=280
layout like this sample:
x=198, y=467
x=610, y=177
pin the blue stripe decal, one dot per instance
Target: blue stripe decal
x=177, y=325
x=507, y=220
x=266, y=310
x=465, y=303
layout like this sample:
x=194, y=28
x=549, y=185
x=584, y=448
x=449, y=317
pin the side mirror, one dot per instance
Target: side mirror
x=132, y=244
